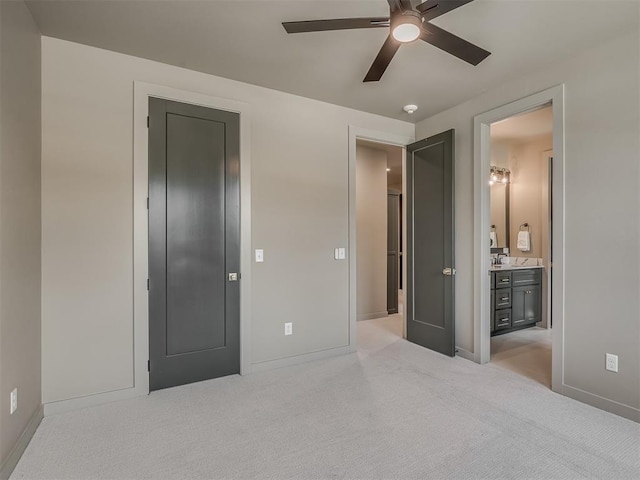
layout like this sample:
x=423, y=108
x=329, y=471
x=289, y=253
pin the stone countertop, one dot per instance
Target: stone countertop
x=498, y=268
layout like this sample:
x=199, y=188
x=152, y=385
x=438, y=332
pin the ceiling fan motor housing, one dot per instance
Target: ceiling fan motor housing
x=408, y=19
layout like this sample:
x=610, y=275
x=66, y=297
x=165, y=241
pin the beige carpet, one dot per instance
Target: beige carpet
x=393, y=410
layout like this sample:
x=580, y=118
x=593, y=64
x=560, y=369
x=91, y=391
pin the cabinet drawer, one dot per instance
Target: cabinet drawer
x=526, y=277
x=503, y=279
x=503, y=298
x=502, y=319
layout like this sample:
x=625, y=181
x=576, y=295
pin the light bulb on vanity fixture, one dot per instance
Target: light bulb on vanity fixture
x=499, y=175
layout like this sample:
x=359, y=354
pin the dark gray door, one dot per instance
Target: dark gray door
x=430, y=237
x=393, y=251
x=194, y=233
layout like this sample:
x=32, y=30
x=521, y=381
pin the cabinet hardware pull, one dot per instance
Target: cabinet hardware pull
x=504, y=298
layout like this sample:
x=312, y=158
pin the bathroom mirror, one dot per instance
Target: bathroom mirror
x=500, y=214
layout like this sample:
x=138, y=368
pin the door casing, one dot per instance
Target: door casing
x=482, y=223
x=142, y=92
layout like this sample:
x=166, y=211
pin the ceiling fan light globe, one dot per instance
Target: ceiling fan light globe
x=406, y=32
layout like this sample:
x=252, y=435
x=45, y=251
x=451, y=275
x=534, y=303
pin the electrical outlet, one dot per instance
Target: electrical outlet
x=14, y=400
x=612, y=362
x=288, y=328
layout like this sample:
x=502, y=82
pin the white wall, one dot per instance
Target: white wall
x=299, y=154
x=20, y=225
x=602, y=314
x=371, y=227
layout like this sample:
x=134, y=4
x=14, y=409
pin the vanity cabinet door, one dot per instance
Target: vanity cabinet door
x=525, y=305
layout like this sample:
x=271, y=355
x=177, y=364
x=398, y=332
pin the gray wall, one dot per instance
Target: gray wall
x=299, y=155
x=371, y=236
x=601, y=213
x=19, y=221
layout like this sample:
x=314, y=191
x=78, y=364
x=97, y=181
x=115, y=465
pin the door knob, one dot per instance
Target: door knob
x=449, y=271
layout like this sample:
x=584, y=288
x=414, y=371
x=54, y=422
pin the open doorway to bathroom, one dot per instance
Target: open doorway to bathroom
x=520, y=236
x=379, y=270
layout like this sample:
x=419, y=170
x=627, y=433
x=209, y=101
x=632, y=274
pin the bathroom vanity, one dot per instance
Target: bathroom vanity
x=516, y=297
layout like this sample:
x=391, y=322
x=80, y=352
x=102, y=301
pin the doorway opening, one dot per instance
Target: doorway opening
x=519, y=282
x=379, y=222
x=521, y=154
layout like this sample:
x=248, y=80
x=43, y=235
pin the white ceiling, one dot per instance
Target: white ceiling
x=244, y=40
x=525, y=126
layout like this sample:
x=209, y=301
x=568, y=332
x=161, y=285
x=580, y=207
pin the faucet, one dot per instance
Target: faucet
x=499, y=258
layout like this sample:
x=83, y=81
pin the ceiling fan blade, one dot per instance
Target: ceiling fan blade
x=400, y=5
x=434, y=8
x=382, y=61
x=335, y=24
x=452, y=44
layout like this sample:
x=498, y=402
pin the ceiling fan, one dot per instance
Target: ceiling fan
x=406, y=25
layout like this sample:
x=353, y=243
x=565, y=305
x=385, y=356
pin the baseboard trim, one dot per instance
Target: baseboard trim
x=62, y=406
x=466, y=354
x=606, y=404
x=304, y=358
x=21, y=445
x=371, y=316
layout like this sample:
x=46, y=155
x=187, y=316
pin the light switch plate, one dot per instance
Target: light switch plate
x=259, y=255
x=342, y=253
x=336, y=253
x=288, y=328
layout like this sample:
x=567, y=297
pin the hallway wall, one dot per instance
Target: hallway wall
x=371, y=228
x=20, y=345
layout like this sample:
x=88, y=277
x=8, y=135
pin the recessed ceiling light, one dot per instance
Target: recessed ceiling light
x=410, y=108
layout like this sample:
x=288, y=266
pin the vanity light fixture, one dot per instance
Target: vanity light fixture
x=499, y=175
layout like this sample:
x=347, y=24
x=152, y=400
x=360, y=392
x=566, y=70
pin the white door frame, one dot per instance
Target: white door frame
x=357, y=133
x=482, y=222
x=142, y=92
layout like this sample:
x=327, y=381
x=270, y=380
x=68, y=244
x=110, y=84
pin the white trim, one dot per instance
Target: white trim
x=597, y=401
x=14, y=456
x=482, y=122
x=303, y=358
x=389, y=139
x=372, y=316
x=142, y=92
x=62, y=406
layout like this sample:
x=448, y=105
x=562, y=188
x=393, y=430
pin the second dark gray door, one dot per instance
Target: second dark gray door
x=194, y=233
x=393, y=251
x=430, y=237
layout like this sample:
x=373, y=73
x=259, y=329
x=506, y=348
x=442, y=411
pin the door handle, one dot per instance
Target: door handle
x=449, y=271
x=233, y=277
